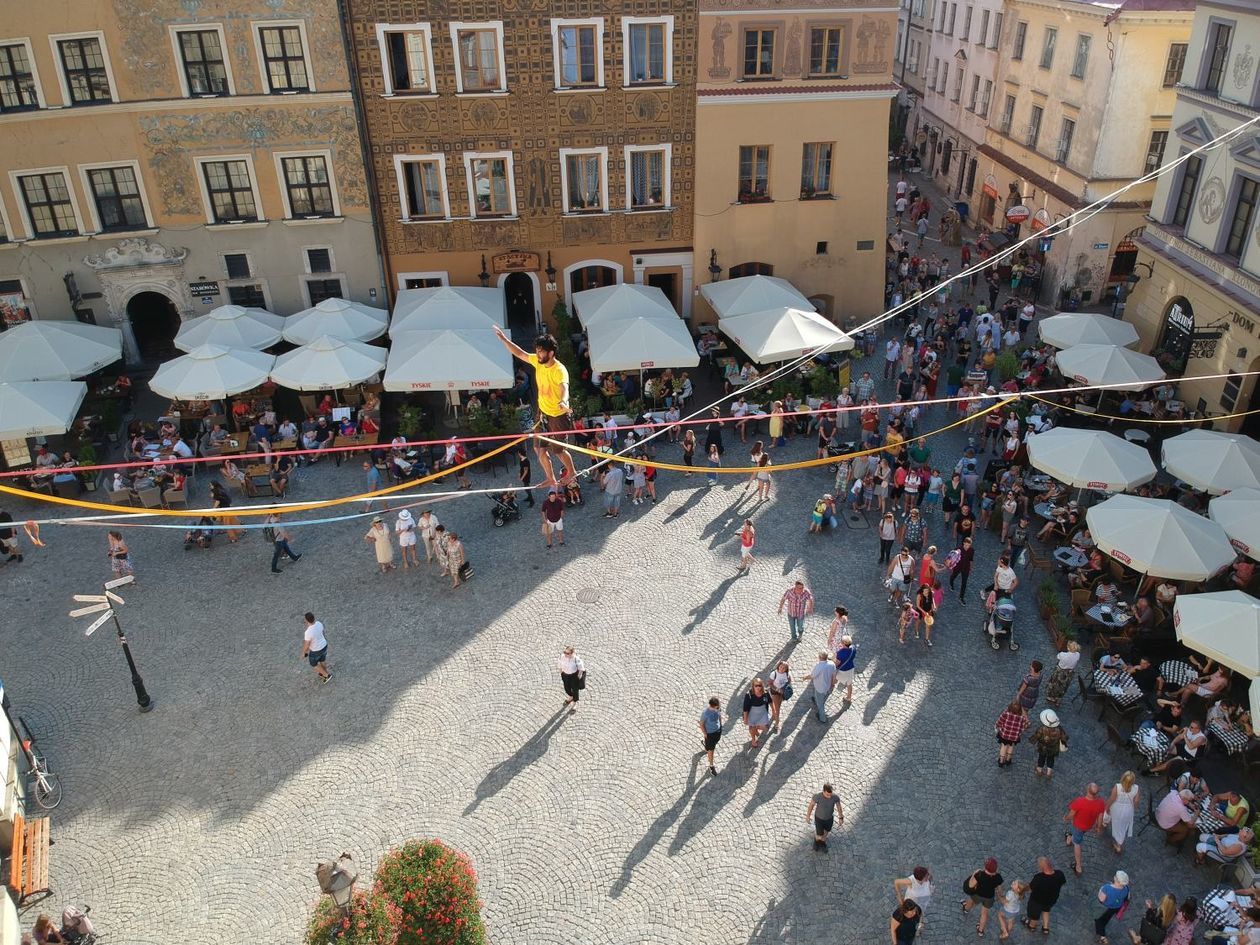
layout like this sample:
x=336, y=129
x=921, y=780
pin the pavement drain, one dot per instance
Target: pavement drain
x=588, y=595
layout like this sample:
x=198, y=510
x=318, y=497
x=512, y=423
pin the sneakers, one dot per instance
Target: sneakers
x=324, y=679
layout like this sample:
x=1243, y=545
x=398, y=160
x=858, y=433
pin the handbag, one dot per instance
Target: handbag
x=1150, y=933
x=581, y=680
x=969, y=885
x=788, y=691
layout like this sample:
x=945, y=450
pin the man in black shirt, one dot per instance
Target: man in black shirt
x=1043, y=893
x=523, y=474
x=1147, y=678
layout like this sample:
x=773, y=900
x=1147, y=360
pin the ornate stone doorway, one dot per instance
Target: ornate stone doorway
x=152, y=277
x=154, y=322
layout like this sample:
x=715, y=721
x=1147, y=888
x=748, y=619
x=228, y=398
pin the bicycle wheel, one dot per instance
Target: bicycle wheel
x=47, y=790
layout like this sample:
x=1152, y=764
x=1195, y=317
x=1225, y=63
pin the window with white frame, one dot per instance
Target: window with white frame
x=959, y=78
x=203, y=61
x=318, y=259
x=324, y=287
x=1063, y=149
x=578, y=53
x=230, y=190
x=584, y=179
x=649, y=50
x=647, y=176
x=966, y=27
x=282, y=52
x=479, y=62
x=491, y=188
x=118, y=201
x=1081, y=60
x=816, y=170
x=997, y=31
x=47, y=203
x=974, y=101
x=309, y=191
x=422, y=186
x=406, y=58
x=85, y=70
x=983, y=38
x=19, y=86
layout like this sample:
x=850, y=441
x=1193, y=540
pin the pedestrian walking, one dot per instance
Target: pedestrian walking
x=839, y=628
x=900, y=574
x=120, y=561
x=887, y=530
x=763, y=477
x=826, y=813
x=689, y=451
x=553, y=518
x=315, y=647
x=279, y=537
x=406, y=529
x=756, y=711
x=780, y=690
x=1012, y=906
x=1121, y=807
x=1010, y=728
x=711, y=730
x=982, y=888
x=846, y=662
x=1084, y=814
x=747, y=538
x=907, y=619
x=799, y=601
x=754, y=460
x=715, y=462
x=822, y=680
x=914, y=532
x=572, y=677
x=1114, y=897
x=925, y=604
x=1049, y=740
x=918, y=888
x=456, y=560
x=427, y=526
x=372, y=475
x=611, y=481
x=523, y=474
x=378, y=537
x=962, y=568
x=1043, y=894
x=219, y=499
x=440, y=538
x=8, y=539
x=1030, y=686
x=906, y=922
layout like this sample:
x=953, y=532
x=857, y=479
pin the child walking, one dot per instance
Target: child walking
x=1012, y=906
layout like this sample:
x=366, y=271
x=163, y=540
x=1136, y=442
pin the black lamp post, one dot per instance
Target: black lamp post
x=715, y=271
x=484, y=276
x=551, y=274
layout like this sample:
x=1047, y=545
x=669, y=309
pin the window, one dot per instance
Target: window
x=983, y=38
x=1230, y=391
x=944, y=8
x=84, y=69
x=1081, y=59
x=248, y=296
x=491, y=190
x=308, y=186
x=284, y=58
x=406, y=58
x=424, y=282
x=422, y=186
x=1218, y=48
x=1047, y=47
x=479, y=65
x=997, y=33
x=975, y=92
x=944, y=83
x=1021, y=36
x=826, y=50
x=116, y=196
x=751, y=269
x=18, y=89
x=48, y=204
x=816, y=170
x=953, y=15
x=647, y=177
x=754, y=173
x=1244, y=214
x=236, y=265
x=959, y=76
x=18, y=309
x=1008, y=114
x=203, y=62
x=966, y=28
x=1066, y=132
x=1155, y=150
x=985, y=96
x=584, y=180
x=935, y=73
x=578, y=49
x=230, y=193
x=1176, y=62
x=649, y=50
x=758, y=54
x=320, y=289
x=1034, y=126
x=1190, y=172
x=319, y=259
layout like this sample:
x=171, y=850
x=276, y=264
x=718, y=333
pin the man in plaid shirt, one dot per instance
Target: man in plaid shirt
x=799, y=602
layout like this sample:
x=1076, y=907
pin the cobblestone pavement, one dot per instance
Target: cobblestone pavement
x=444, y=719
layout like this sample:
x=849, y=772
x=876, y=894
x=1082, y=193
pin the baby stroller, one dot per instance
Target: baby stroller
x=999, y=620
x=76, y=927
x=505, y=509
x=839, y=448
x=200, y=535
x=573, y=493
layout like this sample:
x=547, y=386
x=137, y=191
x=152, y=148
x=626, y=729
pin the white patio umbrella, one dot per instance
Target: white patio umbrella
x=336, y=318
x=1083, y=328
x=1090, y=459
x=48, y=350
x=1224, y=626
x=781, y=333
x=625, y=300
x=1238, y=512
x=449, y=307
x=38, y=408
x=447, y=359
x=753, y=294
x=1108, y=364
x=231, y=326
x=1156, y=536
x=1255, y=698
x=328, y=364
x=630, y=344
x=1212, y=461
x=211, y=372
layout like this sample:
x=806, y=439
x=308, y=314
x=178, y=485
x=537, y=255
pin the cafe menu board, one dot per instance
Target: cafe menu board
x=17, y=453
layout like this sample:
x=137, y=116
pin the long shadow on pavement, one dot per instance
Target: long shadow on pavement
x=501, y=775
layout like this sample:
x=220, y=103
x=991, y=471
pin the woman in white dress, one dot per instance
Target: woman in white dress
x=916, y=886
x=406, y=529
x=1120, y=807
x=378, y=535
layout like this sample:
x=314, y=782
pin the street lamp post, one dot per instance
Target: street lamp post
x=337, y=881
x=103, y=602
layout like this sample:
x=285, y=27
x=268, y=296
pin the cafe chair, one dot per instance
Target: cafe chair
x=1118, y=741
x=175, y=499
x=1082, y=600
x=150, y=498
x=119, y=496
x=1086, y=693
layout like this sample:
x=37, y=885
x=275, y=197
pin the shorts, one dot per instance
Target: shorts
x=986, y=901
x=932, y=498
x=407, y=540
x=556, y=424
x=1078, y=835
x=1003, y=741
x=315, y=657
x=823, y=826
x=1035, y=909
x=844, y=677
x=745, y=552
x=711, y=739
x=557, y=526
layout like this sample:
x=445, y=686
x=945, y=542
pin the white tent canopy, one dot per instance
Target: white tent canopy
x=1083, y=328
x=231, y=326
x=328, y=364
x=448, y=359
x=1109, y=365
x=1213, y=461
x=753, y=294
x=1224, y=626
x=1156, y=536
x=1090, y=459
x=781, y=333
x=624, y=300
x=1238, y=512
x=336, y=318
x=640, y=344
x=448, y=306
x=38, y=408
x=52, y=350
x=211, y=372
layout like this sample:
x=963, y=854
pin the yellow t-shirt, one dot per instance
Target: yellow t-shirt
x=552, y=379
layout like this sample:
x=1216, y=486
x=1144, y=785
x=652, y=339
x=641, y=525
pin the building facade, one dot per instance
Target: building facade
x=160, y=162
x=1197, y=302
x=545, y=150
x=792, y=121
x=1082, y=105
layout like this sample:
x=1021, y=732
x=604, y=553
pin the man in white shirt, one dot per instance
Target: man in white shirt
x=892, y=351
x=1026, y=316
x=182, y=449
x=315, y=647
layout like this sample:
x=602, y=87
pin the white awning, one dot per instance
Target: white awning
x=1213, y=461
x=625, y=300
x=1090, y=459
x=54, y=350
x=336, y=318
x=640, y=344
x=1222, y=625
x=1083, y=328
x=328, y=364
x=38, y=408
x=231, y=326
x=211, y=372
x=782, y=333
x=1108, y=365
x=1159, y=537
x=753, y=294
x=448, y=359
x=1238, y=512
x=449, y=306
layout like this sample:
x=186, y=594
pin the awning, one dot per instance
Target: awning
x=640, y=344
x=1213, y=461
x=1223, y=626
x=328, y=364
x=39, y=408
x=1108, y=365
x=1238, y=512
x=53, y=350
x=1075, y=328
x=336, y=318
x=1090, y=459
x=231, y=326
x=211, y=372
x=1159, y=537
x=753, y=294
x=448, y=359
x=448, y=307
x=625, y=300
x=782, y=333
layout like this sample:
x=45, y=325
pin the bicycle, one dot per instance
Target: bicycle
x=43, y=784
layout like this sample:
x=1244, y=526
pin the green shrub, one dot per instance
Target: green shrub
x=1007, y=364
x=372, y=920
x=435, y=890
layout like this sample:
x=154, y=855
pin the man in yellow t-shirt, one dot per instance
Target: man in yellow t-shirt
x=552, y=380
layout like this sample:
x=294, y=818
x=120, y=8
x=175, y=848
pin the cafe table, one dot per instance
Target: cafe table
x=1050, y=512
x=1071, y=558
x=1119, y=686
x=1110, y=619
x=1233, y=738
x=1177, y=674
x=1152, y=744
x=1219, y=908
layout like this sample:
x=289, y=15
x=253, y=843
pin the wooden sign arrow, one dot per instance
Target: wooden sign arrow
x=97, y=623
x=94, y=609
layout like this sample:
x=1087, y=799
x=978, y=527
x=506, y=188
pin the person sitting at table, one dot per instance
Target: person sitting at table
x=347, y=427
x=179, y=479
x=233, y=473
x=120, y=482
x=1241, y=573
x=218, y=435
x=1112, y=664
x=1226, y=846
x=309, y=443
x=240, y=413
x=1186, y=744
x=1232, y=808
x=1248, y=929
x=1082, y=540
x=629, y=387
x=1193, y=782
x=67, y=463
x=790, y=406
x=1167, y=718
x=1143, y=616
x=1175, y=814
x=1064, y=527
x=181, y=449
x=279, y=475
x=684, y=388
x=326, y=405
x=1208, y=687
x=1087, y=573
x=1106, y=592
x=323, y=436
x=368, y=425
x=287, y=430
x=1147, y=678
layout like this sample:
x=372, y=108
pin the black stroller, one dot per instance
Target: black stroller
x=999, y=620
x=505, y=509
x=200, y=535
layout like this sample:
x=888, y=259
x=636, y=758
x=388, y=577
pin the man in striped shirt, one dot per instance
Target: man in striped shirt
x=799, y=602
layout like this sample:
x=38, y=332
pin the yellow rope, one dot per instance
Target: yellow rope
x=1107, y=416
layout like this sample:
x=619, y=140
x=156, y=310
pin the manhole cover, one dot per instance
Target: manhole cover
x=588, y=595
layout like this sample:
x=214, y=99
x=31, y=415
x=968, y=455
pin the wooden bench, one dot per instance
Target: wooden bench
x=28, y=863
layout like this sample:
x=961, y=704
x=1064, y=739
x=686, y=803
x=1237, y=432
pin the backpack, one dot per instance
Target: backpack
x=953, y=559
x=269, y=534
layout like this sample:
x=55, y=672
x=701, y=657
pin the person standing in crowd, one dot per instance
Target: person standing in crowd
x=780, y=690
x=612, y=479
x=914, y=532
x=756, y=711
x=1010, y=728
x=524, y=473
x=715, y=463
x=378, y=536
x=799, y=602
x=572, y=677
x=918, y=888
x=906, y=922
x=925, y=605
x=982, y=888
x=962, y=568
x=900, y=574
x=763, y=477
x=219, y=499
x=406, y=529
x=1012, y=906
x=553, y=517
x=551, y=378
x=1049, y=740
x=846, y=662
x=1114, y=897
x=711, y=730
x=427, y=526
x=1122, y=807
x=826, y=813
x=457, y=560
x=120, y=561
x=1043, y=894
x=689, y=451
x=1084, y=814
x=1064, y=673
x=8, y=539
x=1004, y=578
x=839, y=627
x=372, y=477
x=887, y=530
x=747, y=538
x=279, y=537
x=1030, y=687
x=315, y=647
x=822, y=680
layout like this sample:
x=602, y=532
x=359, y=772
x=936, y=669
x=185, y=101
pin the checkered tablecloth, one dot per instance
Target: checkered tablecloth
x=1213, y=911
x=1234, y=739
x=1108, y=683
x=1177, y=674
x=1153, y=753
x=1209, y=820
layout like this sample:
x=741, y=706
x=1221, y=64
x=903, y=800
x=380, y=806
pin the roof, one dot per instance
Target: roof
x=1145, y=6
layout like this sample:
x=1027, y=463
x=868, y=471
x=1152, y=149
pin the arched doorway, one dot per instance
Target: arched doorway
x=154, y=322
x=592, y=277
x=751, y=269
x=522, y=307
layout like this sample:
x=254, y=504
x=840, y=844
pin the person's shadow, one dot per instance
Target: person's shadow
x=788, y=758
x=701, y=612
x=887, y=677
x=652, y=836
x=501, y=775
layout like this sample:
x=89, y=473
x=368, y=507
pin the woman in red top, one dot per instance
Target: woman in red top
x=1010, y=728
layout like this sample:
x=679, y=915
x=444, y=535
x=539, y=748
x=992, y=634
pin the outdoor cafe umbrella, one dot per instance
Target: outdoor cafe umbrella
x=1212, y=461
x=781, y=333
x=1156, y=536
x=336, y=318
x=446, y=359
x=638, y=344
x=1238, y=512
x=752, y=294
x=1083, y=328
x=1223, y=625
x=448, y=306
x=231, y=326
x=211, y=372
x=621, y=301
x=1108, y=365
x=38, y=408
x=55, y=350
x=328, y=364
x=1090, y=459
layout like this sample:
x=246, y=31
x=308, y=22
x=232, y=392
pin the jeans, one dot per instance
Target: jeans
x=1046, y=759
x=885, y=550
x=282, y=548
x=962, y=593
x=820, y=703
x=1100, y=924
x=796, y=627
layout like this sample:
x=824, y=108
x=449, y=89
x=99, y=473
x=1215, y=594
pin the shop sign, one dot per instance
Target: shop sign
x=1018, y=214
x=1179, y=318
x=516, y=262
x=1040, y=220
x=1101, y=245
x=990, y=188
x=203, y=288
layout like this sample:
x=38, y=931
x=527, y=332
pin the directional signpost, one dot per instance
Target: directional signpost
x=102, y=604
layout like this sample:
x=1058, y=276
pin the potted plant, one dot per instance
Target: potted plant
x=410, y=418
x=1047, y=599
x=87, y=457
x=1062, y=631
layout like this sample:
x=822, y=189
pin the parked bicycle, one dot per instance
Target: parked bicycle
x=41, y=783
